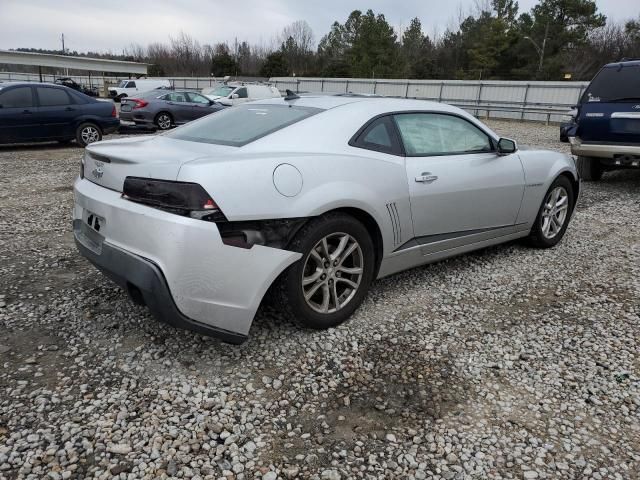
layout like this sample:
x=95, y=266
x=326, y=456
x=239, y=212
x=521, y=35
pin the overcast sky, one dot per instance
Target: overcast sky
x=113, y=24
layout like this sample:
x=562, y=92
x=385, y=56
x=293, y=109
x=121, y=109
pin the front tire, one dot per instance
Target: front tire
x=163, y=120
x=589, y=169
x=330, y=281
x=88, y=133
x=554, y=214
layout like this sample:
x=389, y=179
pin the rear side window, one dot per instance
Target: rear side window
x=20, y=97
x=425, y=134
x=237, y=126
x=379, y=136
x=614, y=83
x=179, y=97
x=52, y=97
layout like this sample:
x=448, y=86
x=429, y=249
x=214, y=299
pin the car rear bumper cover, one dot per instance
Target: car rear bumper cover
x=578, y=147
x=180, y=267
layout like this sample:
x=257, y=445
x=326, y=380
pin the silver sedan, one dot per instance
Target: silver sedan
x=313, y=197
x=165, y=109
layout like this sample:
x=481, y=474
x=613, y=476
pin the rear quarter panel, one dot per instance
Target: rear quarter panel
x=244, y=188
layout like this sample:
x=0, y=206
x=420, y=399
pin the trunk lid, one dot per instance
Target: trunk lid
x=108, y=163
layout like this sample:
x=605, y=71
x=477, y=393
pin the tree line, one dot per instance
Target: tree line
x=554, y=39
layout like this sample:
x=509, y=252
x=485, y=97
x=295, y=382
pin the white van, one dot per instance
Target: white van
x=235, y=93
x=128, y=88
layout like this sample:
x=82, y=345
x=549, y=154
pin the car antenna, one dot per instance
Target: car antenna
x=291, y=95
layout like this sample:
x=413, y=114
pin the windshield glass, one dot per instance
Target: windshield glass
x=243, y=124
x=614, y=83
x=221, y=91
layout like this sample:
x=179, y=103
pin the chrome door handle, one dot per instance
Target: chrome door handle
x=426, y=177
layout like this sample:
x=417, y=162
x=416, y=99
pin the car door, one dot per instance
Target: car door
x=57, y=112
x=461, y=190
x=18, y=115
x=200, y=105
x=179, y=107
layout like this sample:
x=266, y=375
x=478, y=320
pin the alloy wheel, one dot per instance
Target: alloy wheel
x=332, y=273
x=90, y=134
x=554, y=212
x=164, y=121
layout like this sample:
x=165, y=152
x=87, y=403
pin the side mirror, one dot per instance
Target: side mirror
x=234, y=96
x=506, y=146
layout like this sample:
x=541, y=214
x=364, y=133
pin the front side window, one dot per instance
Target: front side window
x=197, y=98
x=52, y=97
x=242, y=93
x=242, y=124
x=19, y=97
x=131, y=85
x=425, y=134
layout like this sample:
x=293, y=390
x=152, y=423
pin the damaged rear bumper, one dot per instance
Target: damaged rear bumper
x=144, y=282
x=178, y=266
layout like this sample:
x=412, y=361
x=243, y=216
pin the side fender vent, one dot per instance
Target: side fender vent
x=395, y=223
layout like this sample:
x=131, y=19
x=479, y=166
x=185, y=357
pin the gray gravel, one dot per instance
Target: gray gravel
x=505, y=363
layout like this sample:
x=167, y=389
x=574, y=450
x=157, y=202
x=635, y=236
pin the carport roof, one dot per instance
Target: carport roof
x=78, y=63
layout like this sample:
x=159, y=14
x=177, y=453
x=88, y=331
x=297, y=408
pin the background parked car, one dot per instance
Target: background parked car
x=236, y=93
x=37, y=112
x=71, y=83
x=166, y=109
x=607, y=131
x=128, y=88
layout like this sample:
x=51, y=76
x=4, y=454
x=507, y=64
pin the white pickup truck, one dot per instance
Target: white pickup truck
x=236, y=93
x=129, y=88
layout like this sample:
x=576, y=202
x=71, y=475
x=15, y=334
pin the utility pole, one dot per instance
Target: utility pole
x=62, y=38
x=540, y=50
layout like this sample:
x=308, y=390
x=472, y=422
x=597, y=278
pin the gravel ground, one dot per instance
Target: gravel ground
x=505, y=363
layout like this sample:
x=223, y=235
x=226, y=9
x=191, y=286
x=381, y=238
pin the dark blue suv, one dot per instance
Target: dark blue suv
x=607, y=131
x=43, y=112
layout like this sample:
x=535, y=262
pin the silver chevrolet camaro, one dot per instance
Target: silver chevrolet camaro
x=312, y=197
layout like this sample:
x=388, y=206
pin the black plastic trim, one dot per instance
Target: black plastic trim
x=144, y=281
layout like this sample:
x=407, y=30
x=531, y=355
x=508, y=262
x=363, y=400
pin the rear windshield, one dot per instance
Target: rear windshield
x=614, y=84
x=237, y=126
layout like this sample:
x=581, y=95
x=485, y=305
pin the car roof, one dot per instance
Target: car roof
x=27, y=84
x=366, y=102
x=624, y=63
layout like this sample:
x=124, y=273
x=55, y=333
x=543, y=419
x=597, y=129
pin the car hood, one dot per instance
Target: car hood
x=108, y=163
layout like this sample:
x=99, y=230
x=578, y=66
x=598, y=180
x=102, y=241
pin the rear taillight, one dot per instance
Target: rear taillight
x=139, y=103
x=182, y=198
x=114, y=113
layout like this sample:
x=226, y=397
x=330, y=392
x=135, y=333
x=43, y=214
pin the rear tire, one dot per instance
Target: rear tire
x=330, y=281
x=589, y=169
x=554, y=214
x=163, y=121
x=87, y=133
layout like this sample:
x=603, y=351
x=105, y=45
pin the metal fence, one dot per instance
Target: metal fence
x=540, y=101
x=100, y=81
